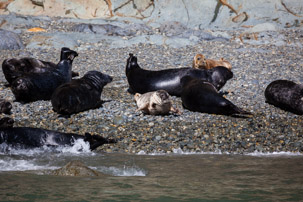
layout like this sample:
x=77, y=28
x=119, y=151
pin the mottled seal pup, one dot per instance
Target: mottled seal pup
x=143, y=81
x=14, y=68
x=40, y=86
x=80, y=94
x=27, y=138
x=202, y=96
x=200, y=62
x=155, y=103
x=6, y=122
x=5, y=106
x=286, y=95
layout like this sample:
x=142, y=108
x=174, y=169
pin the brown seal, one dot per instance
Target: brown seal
x=155, y=103
x=200, y=62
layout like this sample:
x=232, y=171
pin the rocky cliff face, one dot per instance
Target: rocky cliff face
x=192, y=13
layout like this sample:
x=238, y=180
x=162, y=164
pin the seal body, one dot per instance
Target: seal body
x=27, y=138
x=14, y=68
x=200, y=62
x=202, y=96
x=80, y=94
x=40, y=86
x=5, y=106
x=143, y=81
x=155, y=103
x=286, y=95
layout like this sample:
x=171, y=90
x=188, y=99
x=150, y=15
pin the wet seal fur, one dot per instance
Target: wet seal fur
x=14, y=68
x=80, y=94
x=40, y=86
x=155, y=103
x=200, y=62
x=143, y=81
x=5, y=106
x=286, y=95
x=202, y=96
x=28, y=138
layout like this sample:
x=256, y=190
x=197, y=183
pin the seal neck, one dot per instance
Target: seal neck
x=131, y=63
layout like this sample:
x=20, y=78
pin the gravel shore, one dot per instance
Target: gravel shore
x=254, y=66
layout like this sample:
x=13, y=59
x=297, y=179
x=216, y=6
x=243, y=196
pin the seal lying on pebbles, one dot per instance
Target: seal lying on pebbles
x=202, y=96
x=142, y=81
x=286, y=95
x=80, y=94
x=200, y=62
x=5, y=106
x=155, y=103
x=27, y=138
x=6, y=122
x=40, y=86
x=14, y=68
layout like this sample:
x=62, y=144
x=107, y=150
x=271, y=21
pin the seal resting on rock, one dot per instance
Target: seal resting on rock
x=286, y=95
x=40, y=86
x=80, y=94
x=155, y=103
x=200, y=62
x=5, y=106
x=143, y=81
x=202, y=96
x=6, y=122
x=14, y=68
x=27, y=138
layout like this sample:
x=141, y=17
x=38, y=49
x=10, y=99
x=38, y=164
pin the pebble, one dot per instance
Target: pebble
x=254, y=65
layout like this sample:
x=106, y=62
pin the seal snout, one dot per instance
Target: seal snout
x=163, y=95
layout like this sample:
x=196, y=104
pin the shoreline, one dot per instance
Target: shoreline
x=254, y=66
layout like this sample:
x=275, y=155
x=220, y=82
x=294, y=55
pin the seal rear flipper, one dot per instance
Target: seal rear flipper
x=238, y=111
x=97, y=141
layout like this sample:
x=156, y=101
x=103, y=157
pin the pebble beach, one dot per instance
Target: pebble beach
x=255, y=63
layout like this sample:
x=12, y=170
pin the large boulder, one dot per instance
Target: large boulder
x=76, y=168
x=10, y=40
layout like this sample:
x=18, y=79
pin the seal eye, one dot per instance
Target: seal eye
x=154, y=105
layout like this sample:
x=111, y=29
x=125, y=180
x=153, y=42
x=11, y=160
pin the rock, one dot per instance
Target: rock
x=107, y=29
x=10, y=40
x=262, y=28
x=76, y=168
x=56, y=41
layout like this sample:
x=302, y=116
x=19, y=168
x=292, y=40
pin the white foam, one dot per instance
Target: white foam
x=269, y=154
x=80, y=146
x=21, y=165
x=179, y=151
x=125, y=171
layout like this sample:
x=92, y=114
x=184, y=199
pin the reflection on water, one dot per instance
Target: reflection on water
x=156, y=178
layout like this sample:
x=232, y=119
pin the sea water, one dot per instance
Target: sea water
x=150, y=177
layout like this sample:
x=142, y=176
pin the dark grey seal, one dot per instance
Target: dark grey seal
x=6, y=122
x=143, y=81
x=5, y=106
x=28, y=138
x=40, y=86
x=202, y=96
x=14, y=68
x=286, y=95
x=80, y=94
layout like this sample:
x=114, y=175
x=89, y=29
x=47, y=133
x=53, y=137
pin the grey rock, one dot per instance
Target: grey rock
x=10, y=40
x=76, y=168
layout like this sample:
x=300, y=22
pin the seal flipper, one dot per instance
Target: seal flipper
x=95, y=141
